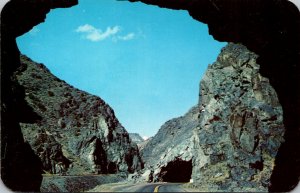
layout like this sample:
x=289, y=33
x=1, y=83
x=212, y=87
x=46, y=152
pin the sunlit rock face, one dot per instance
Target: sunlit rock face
x=232, y=136
x=78, y=133
x=241, y=126
x=174, y=139
x=171, y=150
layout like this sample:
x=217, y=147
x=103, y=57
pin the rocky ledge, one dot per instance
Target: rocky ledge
x=228, y=142
x=75, y=133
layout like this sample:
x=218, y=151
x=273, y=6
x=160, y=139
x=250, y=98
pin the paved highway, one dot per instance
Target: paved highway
x=155, y=187
x=170, y=187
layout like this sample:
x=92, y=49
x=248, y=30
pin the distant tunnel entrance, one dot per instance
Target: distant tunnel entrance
x=176, y=171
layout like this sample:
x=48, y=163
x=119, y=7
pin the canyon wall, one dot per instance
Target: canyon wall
x=271, y=29
x=229, y=141
x=77, y=133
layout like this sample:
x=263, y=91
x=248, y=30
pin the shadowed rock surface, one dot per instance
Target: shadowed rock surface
x=20, y=167
x=231, y=138
x=78, y=133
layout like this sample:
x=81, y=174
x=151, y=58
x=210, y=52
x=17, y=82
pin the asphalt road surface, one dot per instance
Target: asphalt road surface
x=156, y=187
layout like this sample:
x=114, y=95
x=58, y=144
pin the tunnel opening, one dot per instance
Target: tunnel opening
x=176, y=171
x=136, y=79
x=285, y=162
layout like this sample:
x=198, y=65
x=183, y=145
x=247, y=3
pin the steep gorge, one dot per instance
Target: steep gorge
x=228, y=142
x=269, y=28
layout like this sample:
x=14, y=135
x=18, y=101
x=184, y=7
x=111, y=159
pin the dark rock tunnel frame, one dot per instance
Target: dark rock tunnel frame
x=270, y=28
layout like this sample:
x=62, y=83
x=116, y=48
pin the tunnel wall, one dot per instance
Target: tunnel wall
x=20, y=167
x=270, y=28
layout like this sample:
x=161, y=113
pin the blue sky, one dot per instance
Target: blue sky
x=145, y=62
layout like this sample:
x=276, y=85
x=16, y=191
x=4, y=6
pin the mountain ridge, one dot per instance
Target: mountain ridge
x=78, y=133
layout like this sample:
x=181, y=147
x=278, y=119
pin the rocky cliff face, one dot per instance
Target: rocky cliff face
x=77, y=133
x=241, y=125
x=229, y=141
x=271, y=29
x=173, y=140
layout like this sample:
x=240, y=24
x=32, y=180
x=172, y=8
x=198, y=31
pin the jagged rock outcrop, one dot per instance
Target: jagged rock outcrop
x=241, y=126
x=271, y=29
x=229, y=141
x=78, y=133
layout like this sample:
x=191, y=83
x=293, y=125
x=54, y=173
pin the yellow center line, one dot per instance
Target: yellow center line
x=156, y=188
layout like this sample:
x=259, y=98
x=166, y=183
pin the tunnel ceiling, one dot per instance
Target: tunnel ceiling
x=254, y=23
